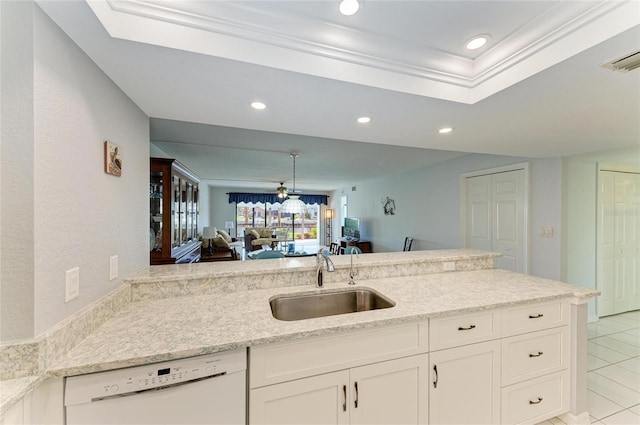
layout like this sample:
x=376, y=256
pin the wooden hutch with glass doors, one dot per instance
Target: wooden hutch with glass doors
x=173, y=202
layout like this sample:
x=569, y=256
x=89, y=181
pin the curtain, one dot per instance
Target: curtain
x=272, y=198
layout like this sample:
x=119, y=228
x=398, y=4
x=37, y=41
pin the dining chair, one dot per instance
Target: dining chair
x=407, y=243
x=334, y=248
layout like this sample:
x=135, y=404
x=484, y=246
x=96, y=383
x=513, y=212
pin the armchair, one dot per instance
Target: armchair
x=256, y=237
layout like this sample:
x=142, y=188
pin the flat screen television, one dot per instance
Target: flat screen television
x=352, y=228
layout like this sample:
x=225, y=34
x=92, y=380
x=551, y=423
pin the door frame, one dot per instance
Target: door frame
x=497, y=170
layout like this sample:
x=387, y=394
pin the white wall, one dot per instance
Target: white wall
x=220, y=210
x=428, y=207
x=545, y=207
x=16, y=173
x=82, y=215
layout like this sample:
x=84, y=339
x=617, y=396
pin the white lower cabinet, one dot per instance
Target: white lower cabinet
x=318, y=399
x=503, y=366
x=465, y=384
x=393, y=391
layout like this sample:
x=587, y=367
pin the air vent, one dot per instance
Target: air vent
x=625, y=63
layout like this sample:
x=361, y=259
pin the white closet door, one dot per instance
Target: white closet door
x=508, y=228
x=618, y=242
x=605, y=240
x=495, y=216
x=478, y=206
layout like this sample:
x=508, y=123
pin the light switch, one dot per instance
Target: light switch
x=113, y=267
x=72, y=284
x=546, y=232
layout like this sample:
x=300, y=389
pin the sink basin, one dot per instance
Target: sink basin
x=307, y=306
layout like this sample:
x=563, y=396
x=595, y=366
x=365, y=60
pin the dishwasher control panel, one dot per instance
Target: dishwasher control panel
x=95, y=386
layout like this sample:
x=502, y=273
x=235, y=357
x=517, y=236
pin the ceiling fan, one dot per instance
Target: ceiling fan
x=282, y=191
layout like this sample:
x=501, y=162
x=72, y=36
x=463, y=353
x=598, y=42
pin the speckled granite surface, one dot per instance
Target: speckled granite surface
x=230, y=276
x=158, y=330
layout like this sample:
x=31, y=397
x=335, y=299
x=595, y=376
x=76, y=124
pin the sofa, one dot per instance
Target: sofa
x=256, y=237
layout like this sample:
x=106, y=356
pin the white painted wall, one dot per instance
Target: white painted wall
x=428, y=207
x=81, y=215
x=220, y=210
x=545, y=207
x=16, y=173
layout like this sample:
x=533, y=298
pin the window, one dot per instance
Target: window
x=249, y=214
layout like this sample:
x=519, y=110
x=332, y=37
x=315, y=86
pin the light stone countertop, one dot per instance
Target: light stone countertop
x=157, y=330
x=157, y=274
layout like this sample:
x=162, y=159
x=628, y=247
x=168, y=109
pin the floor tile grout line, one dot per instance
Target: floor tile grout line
x=619, y=383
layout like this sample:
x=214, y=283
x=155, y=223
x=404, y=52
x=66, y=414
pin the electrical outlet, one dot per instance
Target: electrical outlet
x=113, y=267
x=448, y=266
x=72, y=284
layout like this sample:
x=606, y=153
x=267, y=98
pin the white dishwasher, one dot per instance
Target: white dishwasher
x=208, y=389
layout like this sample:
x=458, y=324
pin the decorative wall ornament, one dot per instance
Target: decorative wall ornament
x=112, y=158
x=389, y=206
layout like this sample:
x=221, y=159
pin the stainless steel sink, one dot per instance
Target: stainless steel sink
x=307, y=306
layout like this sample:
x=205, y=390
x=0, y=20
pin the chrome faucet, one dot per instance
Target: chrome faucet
x=352, y=273
x=323, y=253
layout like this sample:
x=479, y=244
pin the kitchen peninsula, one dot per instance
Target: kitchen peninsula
x=170, y=312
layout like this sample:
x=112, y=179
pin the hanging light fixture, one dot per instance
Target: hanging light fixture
x=294, y=204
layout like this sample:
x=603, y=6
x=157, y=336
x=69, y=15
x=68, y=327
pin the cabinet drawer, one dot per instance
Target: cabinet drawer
x=534, y=354
x=285, y=361
x=534, y=317
x=465, y=329
x=536, y=400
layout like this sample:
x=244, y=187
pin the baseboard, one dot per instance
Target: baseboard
x=572, y=419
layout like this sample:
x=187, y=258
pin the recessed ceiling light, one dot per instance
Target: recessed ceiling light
x=349, y=7
x=477, y=42
x=258, y=105
x=364, y=120
x=445, y=130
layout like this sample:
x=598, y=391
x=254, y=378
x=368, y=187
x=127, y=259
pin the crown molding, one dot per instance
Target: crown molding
x=242, y=32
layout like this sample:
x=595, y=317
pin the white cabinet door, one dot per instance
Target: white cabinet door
x=319, y=399
x=465, y=385
x=392, y=392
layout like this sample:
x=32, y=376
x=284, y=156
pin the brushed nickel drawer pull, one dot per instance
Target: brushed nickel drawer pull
x=355, y=402
x=468, y=328
x=344, y=404
x=435, y=369
x=538, y=401
x=538, y=354
x=535, y=316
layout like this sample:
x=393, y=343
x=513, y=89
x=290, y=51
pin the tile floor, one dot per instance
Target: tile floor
x=613, y=377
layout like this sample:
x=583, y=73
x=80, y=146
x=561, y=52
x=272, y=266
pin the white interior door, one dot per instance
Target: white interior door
x=495, y=216
x=618, y=242
x=479, y=233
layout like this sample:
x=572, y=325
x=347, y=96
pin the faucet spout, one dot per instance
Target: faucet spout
x=323, y=253
x=352, y=272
